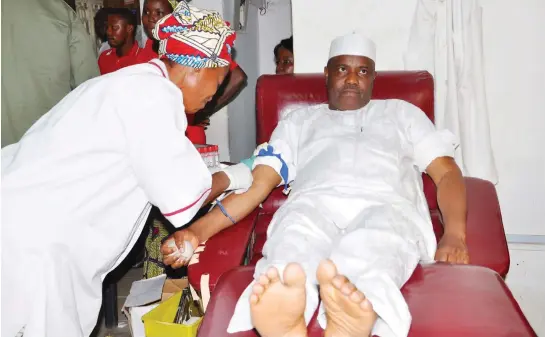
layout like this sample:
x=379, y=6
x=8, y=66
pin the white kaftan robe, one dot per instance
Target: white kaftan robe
x=76, y=191
x=357, y=199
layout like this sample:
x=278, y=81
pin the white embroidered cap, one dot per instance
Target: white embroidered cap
x=353, y=44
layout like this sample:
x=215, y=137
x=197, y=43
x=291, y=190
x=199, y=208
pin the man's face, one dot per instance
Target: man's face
x=349, y=81
x=154, y=10
x=118, y=31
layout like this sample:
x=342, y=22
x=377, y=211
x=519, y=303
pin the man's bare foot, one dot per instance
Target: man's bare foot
x=278, y=307
x=348, y=312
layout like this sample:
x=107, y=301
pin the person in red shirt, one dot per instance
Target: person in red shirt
x=235, y=81
x=121, y=33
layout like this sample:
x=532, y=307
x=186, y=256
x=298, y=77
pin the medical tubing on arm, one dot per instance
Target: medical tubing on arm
x=224, y=211
x=284, y=171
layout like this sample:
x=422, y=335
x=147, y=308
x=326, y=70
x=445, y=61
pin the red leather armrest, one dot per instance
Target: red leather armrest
x=486, y=239
x=222, y=304
x=223, y=252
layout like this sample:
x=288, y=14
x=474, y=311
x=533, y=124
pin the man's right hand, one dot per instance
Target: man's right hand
x=173, y=247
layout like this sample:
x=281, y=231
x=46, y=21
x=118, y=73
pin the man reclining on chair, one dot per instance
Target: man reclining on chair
x=356, y=221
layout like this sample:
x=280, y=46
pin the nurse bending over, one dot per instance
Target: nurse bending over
x=78, y=187
x=356, y=222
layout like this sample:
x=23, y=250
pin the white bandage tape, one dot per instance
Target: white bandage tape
x=240, y=176
x=187, y=250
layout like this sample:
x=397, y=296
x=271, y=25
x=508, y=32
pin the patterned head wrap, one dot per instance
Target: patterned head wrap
x=194, y=37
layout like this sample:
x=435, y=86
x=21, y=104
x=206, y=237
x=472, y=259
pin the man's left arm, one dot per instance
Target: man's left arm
x=451, y=197
x=433, y=153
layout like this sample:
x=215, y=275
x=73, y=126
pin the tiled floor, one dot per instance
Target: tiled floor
x=123, y=288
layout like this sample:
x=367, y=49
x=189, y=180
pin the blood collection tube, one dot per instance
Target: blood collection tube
x=207, y=156
x=217, y=156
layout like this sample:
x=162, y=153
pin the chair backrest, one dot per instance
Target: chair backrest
x=275, y=93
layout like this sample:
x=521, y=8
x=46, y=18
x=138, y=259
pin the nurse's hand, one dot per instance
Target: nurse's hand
x=453, y=249
x=173, y=248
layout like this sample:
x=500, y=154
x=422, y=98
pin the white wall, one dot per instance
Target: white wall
x=387, y=22
x=255, y=55
x=525, y=279
x=514, y=51
x=274, y=25
x=242, y=109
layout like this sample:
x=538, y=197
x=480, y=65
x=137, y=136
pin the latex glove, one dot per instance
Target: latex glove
x=240, y=177
x=249, y=162
x=178, y=248
x=215, y=169
x=218, y=168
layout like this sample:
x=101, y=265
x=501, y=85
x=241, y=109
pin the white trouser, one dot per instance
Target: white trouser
x=377, y=251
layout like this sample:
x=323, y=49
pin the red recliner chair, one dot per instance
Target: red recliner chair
x=444, y=300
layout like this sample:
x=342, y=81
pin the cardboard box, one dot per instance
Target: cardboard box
x=172, y=287
x=146, y=295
